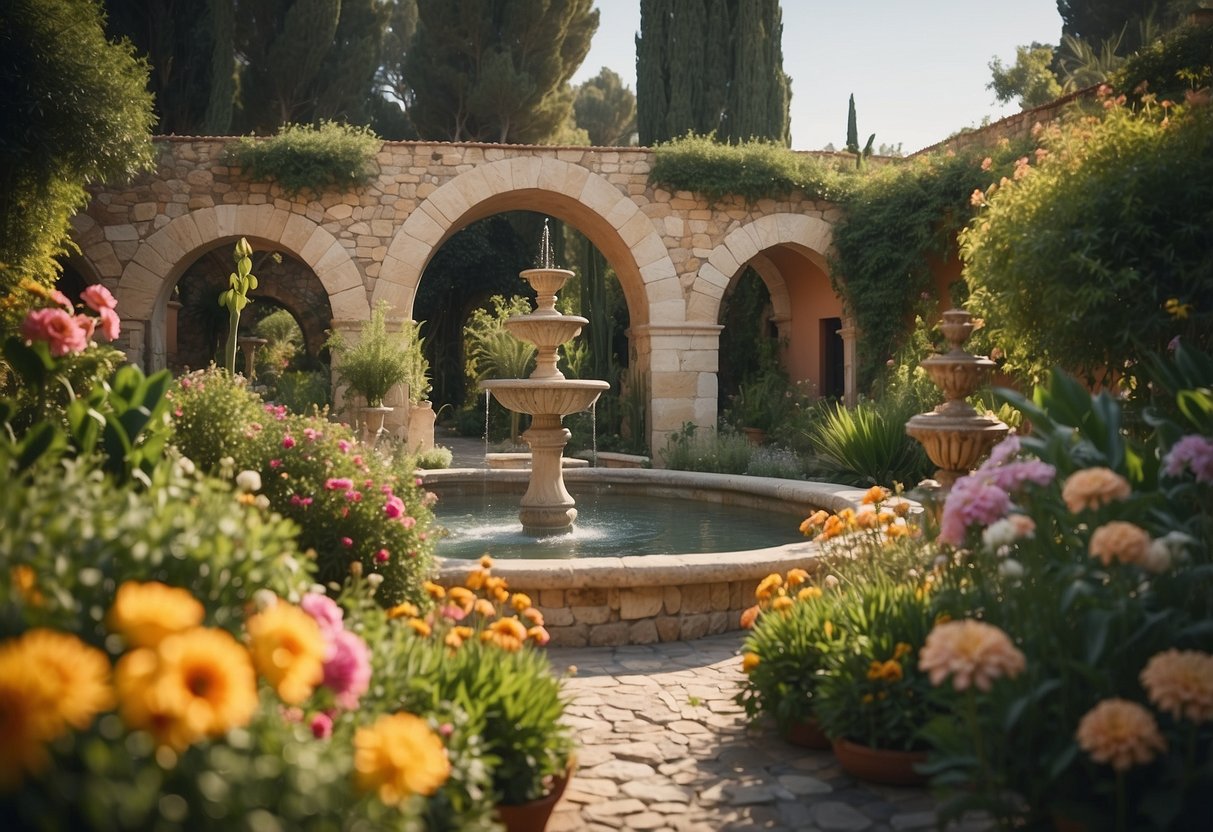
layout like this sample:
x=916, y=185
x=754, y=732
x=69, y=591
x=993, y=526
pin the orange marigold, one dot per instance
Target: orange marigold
x=749, y=616
x=144, y=613
x=434, y=590
x=973, y=653
x=768, y=585
x=809, y=593
x=399, y=756
x=782, y=603
x=288, y=650
x=1180, y=683
x=404, y=610
x=750, y=661
x=875, y=494
x=796, y=577
x=1119, y=541
x=506, y=633
x=1091, y=488
x=1120, y=733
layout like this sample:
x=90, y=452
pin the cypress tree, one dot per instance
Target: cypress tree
x=711, y=66
x=852, y=127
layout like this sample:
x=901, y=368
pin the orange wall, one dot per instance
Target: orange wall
x=811, y=298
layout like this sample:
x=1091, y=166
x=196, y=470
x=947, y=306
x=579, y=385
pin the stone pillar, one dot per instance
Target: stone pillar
x=133, y=342
x=850, y=383
x=397, y=422
x=682, y=360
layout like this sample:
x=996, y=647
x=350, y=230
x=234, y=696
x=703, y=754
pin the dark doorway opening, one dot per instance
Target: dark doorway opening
x=833, y=382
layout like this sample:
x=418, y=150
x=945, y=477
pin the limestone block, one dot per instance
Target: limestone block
x=696, y=598
x=650, y=249
x=383, y=229
x=296, y=232
x=669, y=628
x=143, y=212
x=600, y=196
x=671, y=310
x=341, y=277
x=449, y=201
x=675, y=385
x=148, y=255
x=670, y=415
x=643, y=632
x=104, y=260
x=741, y=595
x=557, y=616
x=550, y=598
x=719, y=593
x=611, y=634
x=125, y=249
x=723, y=260
x=700, y=361
x=524, y=172
x=702, y=306
x=640, y=602
x=351, y=303
x=575, y=636
x=719, y=622
x=664, y=289
x=671, y=599
x=271, y=222
x=422, y=228
x=707, y=386
x=121, y=232
x=591, y=615
x=587, y=597
x=318, y=245
x=694, y=626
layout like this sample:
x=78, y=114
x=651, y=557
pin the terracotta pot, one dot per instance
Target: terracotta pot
x=533, y=815
x=880, y=765
x=807, y=734
x=757, y=436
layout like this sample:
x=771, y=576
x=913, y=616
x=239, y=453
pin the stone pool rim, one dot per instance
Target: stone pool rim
x=639, y=599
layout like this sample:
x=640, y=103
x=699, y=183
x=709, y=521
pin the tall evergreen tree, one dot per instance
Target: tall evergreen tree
x=346, y=80
x=711, y=66
x=390, y=118
x=496, y=70
x=606, y=110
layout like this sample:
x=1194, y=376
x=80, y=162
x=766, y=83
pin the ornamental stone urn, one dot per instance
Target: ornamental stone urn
x=955, y=436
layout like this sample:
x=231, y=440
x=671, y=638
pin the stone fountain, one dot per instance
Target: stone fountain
x=954, y=435
x=547, y=507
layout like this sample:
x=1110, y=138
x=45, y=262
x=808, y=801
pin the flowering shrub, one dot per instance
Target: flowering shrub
x=349, y=504
x=475, y=649
x=1093, y=557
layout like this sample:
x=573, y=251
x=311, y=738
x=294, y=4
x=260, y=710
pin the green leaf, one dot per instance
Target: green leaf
x=32, y=363
x=42, y=438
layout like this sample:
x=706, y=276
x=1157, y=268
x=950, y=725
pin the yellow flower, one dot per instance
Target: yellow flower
x=486, y=562
x=484, y=608
x=476, y=579
x=1118, y=540
x=404, y=610
x=420, y=627
x=25, y=581
x=1120, y=733
x=288, y=650
x=1180, y=683
x=144, y=613
x=796, y=577
x=1094, y=487
x=973, y=653
x=901, y=650
x=453, y=640
x=77, y=675
x=814, y=521
x=498, y=589
x=521, y=602
x=1177, y=310
x=828, y=629
x=834, y=526
x=434, y=590
x=462, y=596
x=782, y=603
x=399, y=756
x=901, y=508
x=809, y=593
x=750, y=661
x=767, y=585
x=192, y=685
x=875, y=494
x=506, y=633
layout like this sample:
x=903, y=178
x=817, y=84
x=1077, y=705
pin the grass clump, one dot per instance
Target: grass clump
x=302, y=156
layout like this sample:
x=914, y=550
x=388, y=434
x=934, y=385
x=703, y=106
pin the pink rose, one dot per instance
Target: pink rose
x=322, y=726
x=110, y=324
x=324, y=610
x=394, y=507
x=97, y=297
x=54, y=326
x=347, y=668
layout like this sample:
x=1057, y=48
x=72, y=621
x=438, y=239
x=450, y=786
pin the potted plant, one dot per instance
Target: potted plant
x=379, y=361
x=476, y=649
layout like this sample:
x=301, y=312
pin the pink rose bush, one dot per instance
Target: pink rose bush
x=64, y=330
x=347, y=659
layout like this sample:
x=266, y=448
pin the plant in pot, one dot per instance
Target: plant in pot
x=476, y=650
x=792, y=632
x=379, y=360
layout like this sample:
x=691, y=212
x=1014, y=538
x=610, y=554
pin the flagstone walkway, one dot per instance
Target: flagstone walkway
x=663, y=747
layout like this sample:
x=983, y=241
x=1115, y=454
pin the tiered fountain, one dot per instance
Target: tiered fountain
x=954, y=435
x=547, y=506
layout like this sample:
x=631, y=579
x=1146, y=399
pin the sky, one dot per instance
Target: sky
x=918, y=68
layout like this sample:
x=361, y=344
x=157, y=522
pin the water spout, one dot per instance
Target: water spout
x=547, y=259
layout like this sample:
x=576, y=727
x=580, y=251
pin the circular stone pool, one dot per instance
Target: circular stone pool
x=629, y=598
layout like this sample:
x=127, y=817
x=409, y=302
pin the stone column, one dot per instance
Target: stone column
x=850, y=383
x=682, y=360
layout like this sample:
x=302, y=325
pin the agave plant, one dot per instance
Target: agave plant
x=867, y=445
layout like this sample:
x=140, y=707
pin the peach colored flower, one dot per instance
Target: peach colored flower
x=1180, y=683
x=1093, y=487
x=749, y=616
x=1118, y=540
x=973, y=653
x=1120, y=733
x=796, y=577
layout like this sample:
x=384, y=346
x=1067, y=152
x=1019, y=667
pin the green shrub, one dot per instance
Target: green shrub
x=867, y=445
x=769, y=461
x=301, y=156
x=1180, y=61
x=302, y=391
x=713, y=452
x=1103, y=251
x=379, y=360
x=752, y=170
x=212, y=417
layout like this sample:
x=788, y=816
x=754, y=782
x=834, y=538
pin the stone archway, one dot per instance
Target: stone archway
x=147, y=282
x=612, y=222
x=778, y=245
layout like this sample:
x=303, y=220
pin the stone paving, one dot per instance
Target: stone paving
x=663, y=747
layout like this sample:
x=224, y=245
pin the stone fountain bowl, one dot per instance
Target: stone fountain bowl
x=545, y=331
x=552, y=396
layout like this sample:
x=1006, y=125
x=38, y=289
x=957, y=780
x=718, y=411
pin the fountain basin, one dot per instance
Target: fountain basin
x=535, y=396
x=642, y=599
x=549, y=331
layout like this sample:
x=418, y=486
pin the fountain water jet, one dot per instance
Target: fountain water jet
x=547, y=507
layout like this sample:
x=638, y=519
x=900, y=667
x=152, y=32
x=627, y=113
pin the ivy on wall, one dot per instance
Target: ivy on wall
x=301, y=156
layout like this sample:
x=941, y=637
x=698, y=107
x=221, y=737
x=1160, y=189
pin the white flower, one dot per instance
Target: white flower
x=263, y=599
x=1011, y=568
x=187, y=466
x=248, y=481
x=1164, y=551
x=374, y=579
x=1007, y=531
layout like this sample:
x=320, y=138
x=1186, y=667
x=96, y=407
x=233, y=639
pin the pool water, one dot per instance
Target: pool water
x=609, y=525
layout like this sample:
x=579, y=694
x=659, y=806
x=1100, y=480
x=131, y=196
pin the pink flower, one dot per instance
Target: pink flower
x=343, y=445
x=1002, y=453
x=347, y=668
x=311, y=434
x=288, y=441
x=322, y=726
x=353, y=496
x=97, y=297
x=1192, y=452
x=59, y=329
x=326, y=612
x=1014, y=475
x=347, y=542
x=453, y=612
x=408, y=521
x=275, y=463
x=987, y=163
x=394, y=507
x=972, y=500
x=338, y=484
x=63, y=300
x=383, y=555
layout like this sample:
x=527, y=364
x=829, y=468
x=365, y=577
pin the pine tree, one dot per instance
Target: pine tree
x=606, y=109
x=496, y=70
x=711, y=66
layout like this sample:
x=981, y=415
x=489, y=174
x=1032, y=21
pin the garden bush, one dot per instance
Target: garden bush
x=301, y=156
x=714, y=452
x=867, y=445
